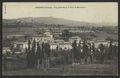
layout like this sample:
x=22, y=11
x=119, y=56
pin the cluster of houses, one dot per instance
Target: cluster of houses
x=54, y=41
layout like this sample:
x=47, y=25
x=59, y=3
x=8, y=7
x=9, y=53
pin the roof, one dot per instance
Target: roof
x=57, y=33
x=53, y=44
x=75, y=37
x=6, y=48
x=39, y=36
x=65, y=43
x=22, y=42
x=59, y=40
x=15, y=35
x=101, y=41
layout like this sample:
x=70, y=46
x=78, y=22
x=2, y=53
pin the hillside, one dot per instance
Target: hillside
x=30, y=25
x=39, y=21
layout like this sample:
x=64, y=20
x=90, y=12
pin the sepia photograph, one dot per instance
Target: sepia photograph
x=60, y=39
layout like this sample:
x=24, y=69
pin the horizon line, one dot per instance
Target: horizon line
x=58, y=18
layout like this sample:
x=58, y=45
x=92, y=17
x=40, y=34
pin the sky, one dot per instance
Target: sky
x=94, y=12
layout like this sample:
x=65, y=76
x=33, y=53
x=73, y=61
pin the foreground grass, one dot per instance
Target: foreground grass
x=69, y=70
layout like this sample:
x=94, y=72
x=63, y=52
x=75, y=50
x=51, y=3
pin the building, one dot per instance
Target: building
x=104, y=42
x=115, y=43
x=57, y=34
x=15, y=36
x=65, y=46
x=21, y=45
x=53, y=46
x=59, y=41
x=46, y=37
x=5, y=50
x=42, y=38
x=62, y=46
x=48, y=33
x=73, y=38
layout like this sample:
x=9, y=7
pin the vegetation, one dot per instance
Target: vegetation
x=43, y=56
x=66, y=35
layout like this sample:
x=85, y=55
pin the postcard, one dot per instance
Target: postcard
x=60, y=39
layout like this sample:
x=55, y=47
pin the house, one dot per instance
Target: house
x=62, y=45
x=53, y=46
x=15, y=36
x=5, y=50
x=46, y=37
x=48, y=33
x=59, y=41
x=21, y=45
x=73, y=38
x=104, y=42
x=42, y=38
x=115, y=43
x=57, y=34
x=65, y=46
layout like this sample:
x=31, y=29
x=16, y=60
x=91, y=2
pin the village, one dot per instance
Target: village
x=53, y=39
x=74, y=51
x=65, y=41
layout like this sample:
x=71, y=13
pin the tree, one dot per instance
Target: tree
x=32, y=54
x=115, y=50
x=38, y=55
x=85, y=50
x=93, y=50
x=38, y=52
x=47, y=49
x=44, y=54
x=43, y=48
x=75, y=51
x=28, y=54
x=90, y=53
x=79, y=53
x=85, y=47
x=12, y=49
x=110, y=50
x=109, y=39
x=102, y=52
x=74, y=45
x=66, y=34
x=34, y=44
x=29, y=45
x=57, y=48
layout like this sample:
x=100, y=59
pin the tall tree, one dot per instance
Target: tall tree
x=66, y=34
x=75, y=51
x=85, y=50
x=93, y=51
x=110, y=53
x=43, y=49
x=12, y=49
x=29, y=45
x=102, y=50
x=38, y=55
x=33, y=53
x=85, y=47
x=93, y=48
x=79, y=53
x=28, y=54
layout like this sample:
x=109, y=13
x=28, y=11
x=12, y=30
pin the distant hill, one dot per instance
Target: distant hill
x=31, y=24
x=38, y=21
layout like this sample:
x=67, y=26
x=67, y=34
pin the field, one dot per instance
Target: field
x=69, y=70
